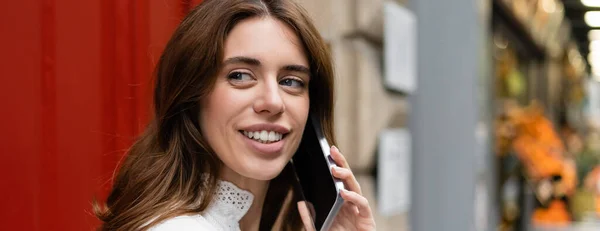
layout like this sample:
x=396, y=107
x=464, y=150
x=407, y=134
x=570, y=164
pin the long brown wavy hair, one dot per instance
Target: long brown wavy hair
x=171, y=170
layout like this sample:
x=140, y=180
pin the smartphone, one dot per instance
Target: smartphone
x=312, y=163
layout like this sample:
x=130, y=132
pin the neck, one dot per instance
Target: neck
x=258, y=188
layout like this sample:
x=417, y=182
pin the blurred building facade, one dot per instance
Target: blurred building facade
x=354, y=31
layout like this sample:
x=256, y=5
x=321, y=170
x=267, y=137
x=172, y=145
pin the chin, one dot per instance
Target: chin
x=265, y=171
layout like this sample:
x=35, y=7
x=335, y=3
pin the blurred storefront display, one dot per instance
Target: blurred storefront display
x=548, y=164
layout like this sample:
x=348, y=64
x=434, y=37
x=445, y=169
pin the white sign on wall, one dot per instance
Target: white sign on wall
x=400, y=44
x=393, y=176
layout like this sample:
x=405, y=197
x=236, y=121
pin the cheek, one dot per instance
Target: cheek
x=216, y=111
x=220, y=104
x=298, y=108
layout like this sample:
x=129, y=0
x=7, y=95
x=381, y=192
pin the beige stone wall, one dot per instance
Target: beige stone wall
x=354, y=30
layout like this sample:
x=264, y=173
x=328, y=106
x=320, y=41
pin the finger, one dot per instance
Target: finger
x=359, y=201
x=339, y=159
x=313, y=212
x=348, y=177
x=305, y=216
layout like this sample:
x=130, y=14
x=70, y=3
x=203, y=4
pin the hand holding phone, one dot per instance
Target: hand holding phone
x=324, y=176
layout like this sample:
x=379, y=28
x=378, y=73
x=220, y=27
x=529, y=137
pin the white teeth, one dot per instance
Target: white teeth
x=271, y=136
x=264, y=136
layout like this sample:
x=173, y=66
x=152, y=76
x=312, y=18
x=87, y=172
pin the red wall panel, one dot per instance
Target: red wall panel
x=20, y=120
x=77, y=107
x=76, y=92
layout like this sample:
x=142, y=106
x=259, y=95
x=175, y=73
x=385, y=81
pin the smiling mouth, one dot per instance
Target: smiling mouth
x=264, y=136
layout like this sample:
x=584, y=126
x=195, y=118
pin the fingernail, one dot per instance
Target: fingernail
x=335, y=148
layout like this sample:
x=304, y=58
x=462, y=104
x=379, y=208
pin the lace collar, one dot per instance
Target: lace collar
x=228, y=206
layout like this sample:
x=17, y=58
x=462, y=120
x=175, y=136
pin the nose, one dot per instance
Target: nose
x=269, y=100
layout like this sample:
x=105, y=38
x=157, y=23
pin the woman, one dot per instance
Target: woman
x=234, y=88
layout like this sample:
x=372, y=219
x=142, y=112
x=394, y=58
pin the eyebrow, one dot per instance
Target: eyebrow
x=242, y=59
x=297, y=68
x=256, y=62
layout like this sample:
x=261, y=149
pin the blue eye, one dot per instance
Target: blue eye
x=239, y=76
x=292, y=83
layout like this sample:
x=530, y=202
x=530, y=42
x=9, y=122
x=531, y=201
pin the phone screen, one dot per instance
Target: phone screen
x=312, y=168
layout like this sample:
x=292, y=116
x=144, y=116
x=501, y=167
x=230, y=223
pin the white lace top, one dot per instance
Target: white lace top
x=228, y=207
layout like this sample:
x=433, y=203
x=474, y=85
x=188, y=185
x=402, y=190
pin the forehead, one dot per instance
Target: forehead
x=266, y=39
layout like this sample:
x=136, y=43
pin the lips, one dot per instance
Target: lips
x=266, y=139
x=268, y=149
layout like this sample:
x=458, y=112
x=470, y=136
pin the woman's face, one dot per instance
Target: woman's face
x=255, y=116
